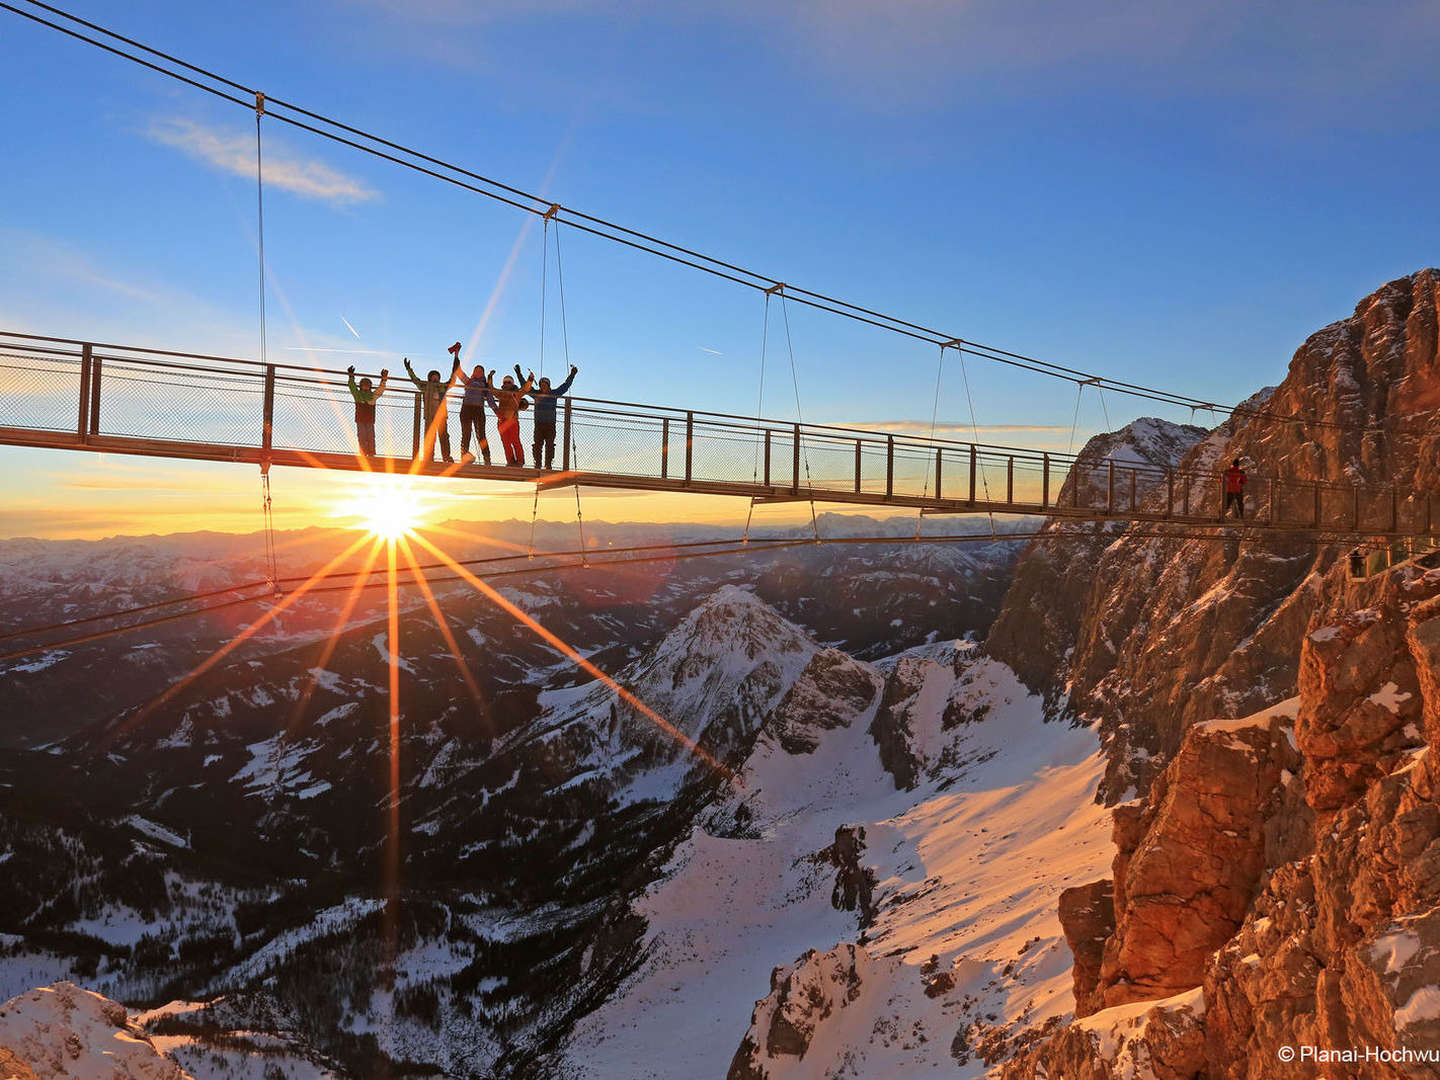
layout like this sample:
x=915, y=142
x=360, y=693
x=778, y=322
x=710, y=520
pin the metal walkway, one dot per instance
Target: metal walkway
x=65, y=394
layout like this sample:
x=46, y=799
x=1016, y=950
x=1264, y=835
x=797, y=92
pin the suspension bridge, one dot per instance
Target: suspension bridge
x=65, y=394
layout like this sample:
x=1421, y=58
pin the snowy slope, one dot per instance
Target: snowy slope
x=968, y=875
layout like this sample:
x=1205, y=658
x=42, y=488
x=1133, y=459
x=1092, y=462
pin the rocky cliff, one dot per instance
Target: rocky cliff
x=1152, y=634
x=1284, y=870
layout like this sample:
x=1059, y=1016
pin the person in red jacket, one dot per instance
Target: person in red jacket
x=1234, y=490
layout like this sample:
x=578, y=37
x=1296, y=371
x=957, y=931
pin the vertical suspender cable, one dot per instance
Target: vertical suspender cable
x=759, y=408
x=544, y=272
x=975, y=428
x=565, y=345
x=271, y=562
x=795, y=379
x=934, y=412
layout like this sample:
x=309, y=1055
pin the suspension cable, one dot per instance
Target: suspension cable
x=520, y=199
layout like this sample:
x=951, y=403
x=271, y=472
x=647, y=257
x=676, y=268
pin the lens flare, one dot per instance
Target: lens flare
x=389, y=509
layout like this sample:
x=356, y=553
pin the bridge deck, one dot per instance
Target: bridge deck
x=70, y=395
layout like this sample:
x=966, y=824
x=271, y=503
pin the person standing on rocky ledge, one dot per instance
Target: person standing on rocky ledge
x=1234, y=490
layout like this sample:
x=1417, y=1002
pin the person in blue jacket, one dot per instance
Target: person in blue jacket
x=545, y=399
x=472, y=411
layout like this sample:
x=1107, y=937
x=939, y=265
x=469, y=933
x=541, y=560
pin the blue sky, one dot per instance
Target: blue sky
x=1175, y=194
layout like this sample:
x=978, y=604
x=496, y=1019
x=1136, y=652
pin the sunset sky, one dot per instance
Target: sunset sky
x=1140, y=190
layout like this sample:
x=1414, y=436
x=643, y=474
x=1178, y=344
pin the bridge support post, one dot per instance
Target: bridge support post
x=1169, y=493
x=569, y=420
x=1132, y=491
x=1428, y=528
x=939, y=454
x=972, y=474
x=1272, y=492
x=1394, y=510
x=889, y=466
x=1355, y=506
x=1317, y=504
x=795, y=464
x=1044, y=481
x=1010, y=480
x=82, y=426
x=1110, y=486
x=415, y=429
x=94, y=395
x=768, y=441
x=689, y=446
x=857, y=465
x=267, y=410
x=1185, y=499
x=664, y=446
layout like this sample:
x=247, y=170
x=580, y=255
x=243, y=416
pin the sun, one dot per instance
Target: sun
x=389, y=511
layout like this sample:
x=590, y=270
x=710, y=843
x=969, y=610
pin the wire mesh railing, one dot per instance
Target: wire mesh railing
x=154, y=400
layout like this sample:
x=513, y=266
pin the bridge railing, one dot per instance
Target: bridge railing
x=98, y=392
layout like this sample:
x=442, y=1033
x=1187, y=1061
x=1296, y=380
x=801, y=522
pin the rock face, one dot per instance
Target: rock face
x=62, y=1030
x=1159, y=1040
x=1152, y=635
x=1282, y=871
x=1293, y=885
x=1087, y=915
x=801, y=997
x=1050, y=595
x=1189, y=882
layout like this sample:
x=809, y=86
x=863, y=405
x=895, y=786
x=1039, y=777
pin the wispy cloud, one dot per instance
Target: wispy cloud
x=234, y=152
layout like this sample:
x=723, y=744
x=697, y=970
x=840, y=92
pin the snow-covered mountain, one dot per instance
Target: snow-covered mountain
x=790, y=834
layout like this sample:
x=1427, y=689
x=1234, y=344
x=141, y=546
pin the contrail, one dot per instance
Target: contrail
x=350, y=328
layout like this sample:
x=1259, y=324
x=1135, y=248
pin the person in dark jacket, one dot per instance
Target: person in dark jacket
x=472, y=411
x=1234, y=490
x=432, y=395
x=509, y=400
x=365, y=408
x=545, y=399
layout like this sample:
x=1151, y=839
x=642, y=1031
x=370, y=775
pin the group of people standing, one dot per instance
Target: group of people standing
x=507, y=401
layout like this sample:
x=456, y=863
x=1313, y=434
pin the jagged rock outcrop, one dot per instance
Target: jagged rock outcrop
x=1152, y=635
x=64, y=1031
x=833, y=689
x=1160, y=1040
x=1297, y=886
x=854, y=882
x=929, y=697
x=1049, y=597
x=1190, y=880
x=1087, y=915
x=802, y=996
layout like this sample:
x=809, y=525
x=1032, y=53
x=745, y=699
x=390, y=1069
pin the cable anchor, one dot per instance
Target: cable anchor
x=259, y=104
x=777, y=288
x=551, y=213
